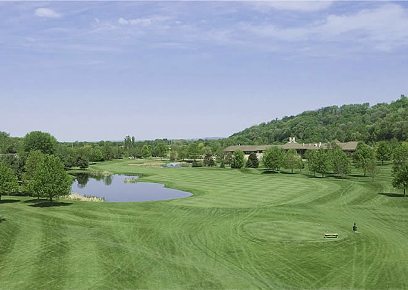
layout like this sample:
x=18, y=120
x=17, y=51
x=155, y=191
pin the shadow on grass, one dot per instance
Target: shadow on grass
x=9, y=200
x=392, y=194
x=2, y=219
x=35, y=200
x=314, y=176
x=358, y=175
x=50, y=204
x=269, y=172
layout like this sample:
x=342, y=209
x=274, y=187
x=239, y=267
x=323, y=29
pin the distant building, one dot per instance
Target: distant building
x=301, y=148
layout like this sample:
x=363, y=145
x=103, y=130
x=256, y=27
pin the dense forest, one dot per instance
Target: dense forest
x=357, y=122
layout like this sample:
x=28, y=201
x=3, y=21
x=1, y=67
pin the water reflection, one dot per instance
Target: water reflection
x=82, y=179
x=118, y=188
x=108, y=180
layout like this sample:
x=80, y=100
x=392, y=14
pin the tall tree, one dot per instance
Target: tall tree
x=400, y=177
x=273, y=158
x=323, y=162
x=8, y=180
x=318, y=161
x=51, y=180
x=311, y=158
x=41, y=141
x=238, y=159
x=383, y=152
x=33, y=163
x=364, y=157
x=252, y=161
x=292, y=160
x=400, y=155
x=340, y=162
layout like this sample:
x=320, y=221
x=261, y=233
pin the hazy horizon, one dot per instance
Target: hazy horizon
x=93, y=71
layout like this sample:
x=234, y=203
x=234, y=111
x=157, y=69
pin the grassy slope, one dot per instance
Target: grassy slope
x=239, y=230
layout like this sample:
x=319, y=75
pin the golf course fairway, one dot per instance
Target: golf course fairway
x=240, y=230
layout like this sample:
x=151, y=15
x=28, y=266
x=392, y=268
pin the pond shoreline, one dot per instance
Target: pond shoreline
x=121, y=188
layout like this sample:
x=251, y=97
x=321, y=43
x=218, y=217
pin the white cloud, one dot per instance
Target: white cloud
x=123, y=21
x=47, y=13
x=383, y=28
x=145, y=22
x=300, y=6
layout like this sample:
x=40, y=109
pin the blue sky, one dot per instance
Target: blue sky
x=103, y=70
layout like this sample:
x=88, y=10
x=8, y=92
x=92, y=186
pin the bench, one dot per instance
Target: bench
x=332, y=236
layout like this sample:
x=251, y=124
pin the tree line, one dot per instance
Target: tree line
x=17, y=153
x=333, y=161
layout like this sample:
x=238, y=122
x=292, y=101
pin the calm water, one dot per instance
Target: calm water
x=114, y=188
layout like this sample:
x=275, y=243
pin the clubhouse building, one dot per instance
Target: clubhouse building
x=301, y=148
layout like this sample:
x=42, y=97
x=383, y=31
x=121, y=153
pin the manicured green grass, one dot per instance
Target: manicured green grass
x=238, y=230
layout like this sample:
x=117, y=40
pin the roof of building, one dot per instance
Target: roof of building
x=347, y=146
x=248, y=148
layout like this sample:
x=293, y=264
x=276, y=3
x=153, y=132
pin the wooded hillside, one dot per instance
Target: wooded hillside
x=360, y=122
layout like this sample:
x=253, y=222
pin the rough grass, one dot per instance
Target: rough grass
x=241, y=230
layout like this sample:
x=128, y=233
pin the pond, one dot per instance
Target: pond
x=123, y=188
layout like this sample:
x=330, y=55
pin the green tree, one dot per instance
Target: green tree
x=182, y=152
x=129, y=142
x=15, y=162
x=107, y=152
x=40, y=141
x=311, y=158
x=146, y=151
x=82, y=161
x=292, y=160
x=160, y=150
x=364, y=156
x=95, y=155
x=318, y=161
x=400, y=155
x=252, y=161
x=400, y=177
x=273, y=158
x=34, y=161
x=66, y=154
x=8, y=180
x=238, y=159
x=193, y=151
x=5, y=142
x=340, y=162
x=383, y=152
x=51, y=180
x=322, y=162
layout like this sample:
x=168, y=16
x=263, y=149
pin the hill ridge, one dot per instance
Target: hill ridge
x=349, y=122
